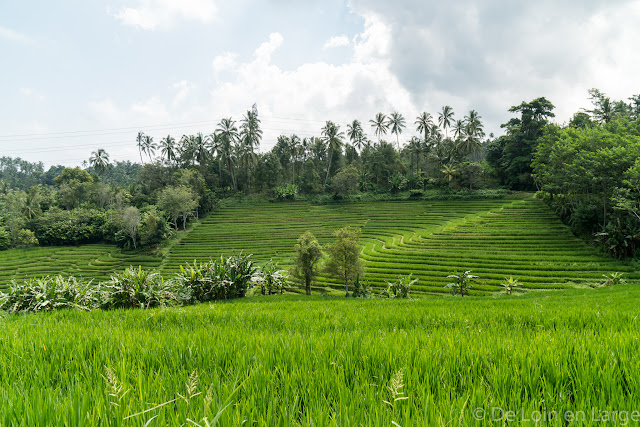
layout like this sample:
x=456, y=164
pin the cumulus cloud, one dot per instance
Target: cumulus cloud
x=301, y=99
x=491, y=55
x=162, y=14
x=336, y=41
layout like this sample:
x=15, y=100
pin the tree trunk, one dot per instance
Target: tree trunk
x=328, y=169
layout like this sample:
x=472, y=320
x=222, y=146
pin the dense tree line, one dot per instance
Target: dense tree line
x=179, y=179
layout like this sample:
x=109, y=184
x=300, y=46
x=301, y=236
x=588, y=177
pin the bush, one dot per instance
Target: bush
x=225, y=278
x=360, y=289
x=49, y=293
x=5, y=239
x=271, y=280
x=287, y=192
x=401, y=287
x=138, y=288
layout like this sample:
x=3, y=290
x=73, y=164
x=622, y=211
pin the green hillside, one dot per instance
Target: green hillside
x=95, y=262
x=431, y=239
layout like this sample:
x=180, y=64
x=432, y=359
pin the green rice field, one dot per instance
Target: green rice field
x=91, y=262
x=517, y=237
x=290, y=360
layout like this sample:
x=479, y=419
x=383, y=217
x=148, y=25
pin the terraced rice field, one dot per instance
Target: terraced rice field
x=431, y=239
x=96, y=262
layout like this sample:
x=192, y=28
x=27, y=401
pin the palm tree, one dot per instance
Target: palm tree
x=168, y=149
x=474, y=125
x=379, y=125
x=356, y=134
x=424, y=122
x=449, y=171
x=415, y=149
x=445, y=117
x=294, y=148
x=228, y=134
x=458, y=129
x=333, y=139
x=397, y=123
x=99, y=160
x=149, y=146
x=187, y=149
x=250, y=136
x=140, y=143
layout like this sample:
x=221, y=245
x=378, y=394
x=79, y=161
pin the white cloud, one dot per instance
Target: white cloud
x=301, y=99
x=162, y=14
x=336, y=41
x=14, y=36
x=183, y=87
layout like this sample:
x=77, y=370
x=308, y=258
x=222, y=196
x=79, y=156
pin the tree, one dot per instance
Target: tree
x=449, y=171
x=168, y=149
x=131, y=222
x=344, y=256
x=356, y=134
x=140, y=144
x=445, y=117
x=423, y=124
x=176, y=202
x=379, y=125
x=397, y=123
x=149, y=146
x=511, y=155
x=99, y=160
x=345, y=181
x=308, y=254
x=250, y=136
x=227, y=132
x=333, y=139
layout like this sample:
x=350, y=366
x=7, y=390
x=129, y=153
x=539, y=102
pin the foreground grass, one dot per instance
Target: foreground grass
x=294, y=360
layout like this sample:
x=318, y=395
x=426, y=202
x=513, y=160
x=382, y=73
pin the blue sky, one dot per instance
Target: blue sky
x=81, y=75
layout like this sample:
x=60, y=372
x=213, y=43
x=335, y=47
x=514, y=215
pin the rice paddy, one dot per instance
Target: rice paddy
x=295, y=360
x=89, y=262
x=517, y=237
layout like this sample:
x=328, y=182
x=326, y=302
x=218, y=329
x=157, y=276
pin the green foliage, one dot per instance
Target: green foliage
x=462, y=283
x=345, y=181
x=510, y=155
x=612, y=279
x=308, y=253
x=225, y=278
x=287, y=192
x=344, y=256
x=510, y=284
x=49, y=293
x=361, y=289
x=252, y=359
x=178, y=202
x=73, y=175
x=5, y=239
x=138, y=288
x=271, y=280
x=401, y=287
x=61, y=227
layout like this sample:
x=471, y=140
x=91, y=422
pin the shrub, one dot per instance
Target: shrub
x=360, y=289
x=462, y=283
x=400, y=288
x=49, y=293
x=138, y=288
x=271, y=280
x=287, y=192
x=225, y=278
x=510, y=284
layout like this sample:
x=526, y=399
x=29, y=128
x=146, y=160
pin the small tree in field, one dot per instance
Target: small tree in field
x=344, y=256
x=462, y=283
x=308, y=254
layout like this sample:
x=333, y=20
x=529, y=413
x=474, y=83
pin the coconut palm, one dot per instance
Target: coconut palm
x=333, y=140
x=474, y=125
x=415, y=149
x=423, y=124
x=149, y=146
x=228, y=134
x=200, y=148
x=356, y=134
x=379, y=125
x=449, y=171
x=445, y=117
x=99, y=160
x=140, y=144
x=250, y=136
x=168, y=149
x=294, y=148
x=458, y=129
x=397, y=123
